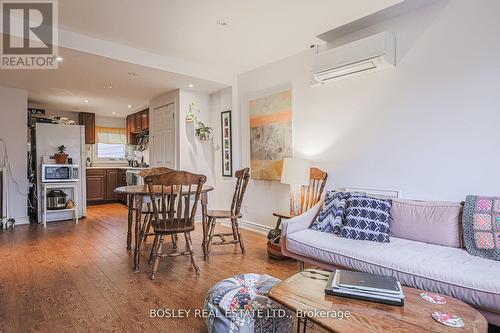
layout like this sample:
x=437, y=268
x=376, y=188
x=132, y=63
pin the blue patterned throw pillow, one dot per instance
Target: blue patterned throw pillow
x=367, y=219
x=332, y=213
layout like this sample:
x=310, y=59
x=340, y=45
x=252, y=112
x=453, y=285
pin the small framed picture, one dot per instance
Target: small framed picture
x=227, y=152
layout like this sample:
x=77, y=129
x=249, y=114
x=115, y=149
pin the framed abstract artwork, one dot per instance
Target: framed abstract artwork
x=227, y=144
x=270, y=134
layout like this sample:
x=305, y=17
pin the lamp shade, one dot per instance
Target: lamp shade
x=295, y=171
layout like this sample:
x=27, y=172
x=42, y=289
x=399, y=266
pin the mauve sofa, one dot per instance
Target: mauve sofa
x=442, y=268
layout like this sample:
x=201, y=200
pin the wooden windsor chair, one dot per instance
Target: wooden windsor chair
x=147, y=210
x=309, y=196
x=173, y=211
x=233, y=214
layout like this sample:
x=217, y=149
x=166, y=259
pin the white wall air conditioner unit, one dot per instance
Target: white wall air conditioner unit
x=364, y=55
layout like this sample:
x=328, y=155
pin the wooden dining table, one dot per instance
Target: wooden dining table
x=135, y=202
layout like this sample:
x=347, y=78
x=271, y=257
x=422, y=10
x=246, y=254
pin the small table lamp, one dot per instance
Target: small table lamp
x=295, y=173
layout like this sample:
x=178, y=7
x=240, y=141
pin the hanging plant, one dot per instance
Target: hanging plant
x=190, y=117
x=203, y=132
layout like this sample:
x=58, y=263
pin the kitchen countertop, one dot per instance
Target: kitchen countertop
x=116, y=167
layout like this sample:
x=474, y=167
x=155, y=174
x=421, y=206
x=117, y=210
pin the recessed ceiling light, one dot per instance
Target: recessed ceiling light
x=132, y=74
x=85, y=100
x=190, y=85
x=222, y=23
x=129, y=106
x=60, y=59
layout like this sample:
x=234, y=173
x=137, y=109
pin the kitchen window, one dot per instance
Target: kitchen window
x=111, y=143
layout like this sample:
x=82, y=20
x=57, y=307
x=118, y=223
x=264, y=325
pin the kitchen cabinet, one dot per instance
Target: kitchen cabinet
x=96, y=185
x=145, y=120
x=101, y=185
x=88, y=120
x=111, y=183
x=136, y=123
x=130, y=129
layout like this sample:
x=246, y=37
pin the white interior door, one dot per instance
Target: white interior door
x=164, y=136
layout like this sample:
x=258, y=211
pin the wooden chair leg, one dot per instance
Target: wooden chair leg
x=148, y=227
x=144, y=229
x=189, y=244
x=240, y=239
x=157, y=257
x=153, y=250
x=235, y=232
x=174, y=241
x=211, y=231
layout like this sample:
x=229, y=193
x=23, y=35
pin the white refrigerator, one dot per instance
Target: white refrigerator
x=48, y=138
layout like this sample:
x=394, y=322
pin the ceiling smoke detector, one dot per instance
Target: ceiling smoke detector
x=222, y=23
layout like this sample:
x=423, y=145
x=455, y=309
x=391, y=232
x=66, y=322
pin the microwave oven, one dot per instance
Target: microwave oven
x=54, y=173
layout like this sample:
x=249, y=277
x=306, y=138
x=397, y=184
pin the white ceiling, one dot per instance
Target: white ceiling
x=83, y=76
x=259, y=31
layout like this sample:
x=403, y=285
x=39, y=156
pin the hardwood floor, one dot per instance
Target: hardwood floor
x=79, y=278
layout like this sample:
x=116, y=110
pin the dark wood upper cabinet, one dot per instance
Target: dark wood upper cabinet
x=136, y=123
x=145, y=120
x=130, y=129
x=88, y=120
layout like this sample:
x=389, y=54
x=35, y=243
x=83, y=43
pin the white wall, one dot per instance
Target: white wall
x=429, y=128
x=110, y=122
x=221, y=101
x=13, y=129
x=196, y=155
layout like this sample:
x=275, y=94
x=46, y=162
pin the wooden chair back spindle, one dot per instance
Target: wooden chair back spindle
x=311, y=194
x=242, y=176
x=173, y=192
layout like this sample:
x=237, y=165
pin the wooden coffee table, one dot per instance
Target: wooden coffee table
x=302, y=293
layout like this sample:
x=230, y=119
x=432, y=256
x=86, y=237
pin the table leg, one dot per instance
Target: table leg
x=301, y=322
x=204, y=222
x=138, y=215
x=130, y=218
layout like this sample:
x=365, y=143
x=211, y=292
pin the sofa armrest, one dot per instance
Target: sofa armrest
x=300, y=222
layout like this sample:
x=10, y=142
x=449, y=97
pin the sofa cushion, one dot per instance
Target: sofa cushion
x=331, y=215
x=441, y=269
x=429, y=222
x=367, y=219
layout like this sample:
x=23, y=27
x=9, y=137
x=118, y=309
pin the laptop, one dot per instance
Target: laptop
x=367, y=287
x=368, y=282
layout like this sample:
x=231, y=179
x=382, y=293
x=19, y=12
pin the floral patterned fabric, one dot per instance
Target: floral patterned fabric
x=240, y=304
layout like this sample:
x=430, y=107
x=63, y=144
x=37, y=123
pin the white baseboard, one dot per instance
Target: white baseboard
x=21, y=220
x=248, y=225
